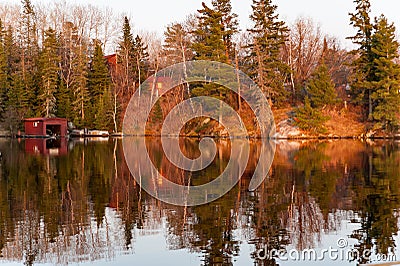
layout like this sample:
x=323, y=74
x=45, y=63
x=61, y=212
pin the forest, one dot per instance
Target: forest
x=83, y=63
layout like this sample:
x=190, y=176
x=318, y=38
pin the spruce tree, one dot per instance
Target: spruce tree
x=362, y=75
x=17, y=106
x=64, y=101
x=49, y=73
x=209, y=36
x=264, y=64
x=230, y=25
x=177, y=48
x=99, y=78
x=126, y=59
x=80, y=92
x=28, y=38
x=12, y=51
x=99, y=82
x=321, y=88
x=126, y=44
x=3, y=72
x=386, y=76
x=140, y=60
x=212, y=37
x=177, y=44
x=309, y=118
x=103, y=113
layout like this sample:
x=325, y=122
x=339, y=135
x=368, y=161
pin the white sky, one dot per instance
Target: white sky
x=331, y=15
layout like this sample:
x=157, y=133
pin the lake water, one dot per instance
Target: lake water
x=75, y=202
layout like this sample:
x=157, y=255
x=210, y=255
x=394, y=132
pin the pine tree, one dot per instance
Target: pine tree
x=3, y=72
x=230, y=25
x=12, y=51
x=99, y=79
x=386, y=76
x=177, y=48
x=309, y=118
x=99, y=83
x=140, y=60
x=126, y=44
x=103, y=113
x=177, y=44
x=63, y=99
x=362, y=76
x=29, y=53
x=321, y=88
x=211, y=39
x=264, y=63
x=209, y=36
x=80, y=92
x=126, y=60
x=17, y=106
x=49, y=70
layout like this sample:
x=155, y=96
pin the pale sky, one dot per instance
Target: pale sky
x=332, y=16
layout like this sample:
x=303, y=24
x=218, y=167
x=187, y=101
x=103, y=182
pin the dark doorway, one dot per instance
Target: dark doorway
x=53, y=130
x=53, y=144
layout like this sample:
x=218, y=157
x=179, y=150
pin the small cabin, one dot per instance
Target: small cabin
x=46, y=126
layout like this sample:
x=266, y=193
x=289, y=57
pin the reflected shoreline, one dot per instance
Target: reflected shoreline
x=84, y=205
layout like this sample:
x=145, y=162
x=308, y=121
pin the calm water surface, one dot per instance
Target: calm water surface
x=76, y=203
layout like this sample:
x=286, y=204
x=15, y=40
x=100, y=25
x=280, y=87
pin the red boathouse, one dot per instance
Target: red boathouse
x=41, y=127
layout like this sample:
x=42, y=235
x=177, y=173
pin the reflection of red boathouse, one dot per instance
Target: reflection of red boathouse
x=53, y=147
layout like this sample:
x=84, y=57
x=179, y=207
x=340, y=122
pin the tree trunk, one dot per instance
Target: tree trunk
x=238, y=81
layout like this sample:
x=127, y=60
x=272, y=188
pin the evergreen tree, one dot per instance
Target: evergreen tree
x=362, y=22
x=29, y=53
x=177, y=44
x=103, y=113
x=386, y=76
x=140, y=60
x=80, y=92
x=126, y=59
x=17, y=105
x=63, y=99
x=3, y=72
x=309, y=118
x=362, y=76
x=49, y=71
x=230, y=25
x=211, y=40
x=12, y=51
x=263, y=62
x=126, y=43
x=177, y=47
x=209, y=36
x=99, y=79
x=321, y=88
x=99, y=84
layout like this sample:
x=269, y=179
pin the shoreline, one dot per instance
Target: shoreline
x=199, y=136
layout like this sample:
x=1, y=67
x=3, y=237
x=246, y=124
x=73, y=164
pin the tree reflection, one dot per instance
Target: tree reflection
x=85, y=205
x=377, y=199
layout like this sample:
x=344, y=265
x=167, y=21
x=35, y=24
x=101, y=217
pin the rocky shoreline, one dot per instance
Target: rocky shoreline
x=287, y=131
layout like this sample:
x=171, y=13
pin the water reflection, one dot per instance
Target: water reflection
x=84, y=205
x=54, y=147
